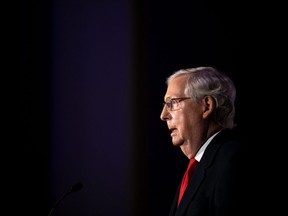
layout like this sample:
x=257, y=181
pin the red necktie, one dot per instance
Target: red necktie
x=191, y=167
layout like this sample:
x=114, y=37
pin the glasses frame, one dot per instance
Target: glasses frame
x=171, y=102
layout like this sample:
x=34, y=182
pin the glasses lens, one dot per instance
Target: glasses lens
x=173, y=104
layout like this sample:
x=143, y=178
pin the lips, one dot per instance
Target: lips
x=172, y=131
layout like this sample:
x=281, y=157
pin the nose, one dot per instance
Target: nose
x=164, y=116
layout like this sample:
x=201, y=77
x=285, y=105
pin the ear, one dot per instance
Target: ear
x=208, y=104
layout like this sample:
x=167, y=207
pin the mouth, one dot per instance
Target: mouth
x=172, y=131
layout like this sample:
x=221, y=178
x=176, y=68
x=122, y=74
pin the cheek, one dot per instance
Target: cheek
x=177, y=118
x=182, y=122
x=187, y=123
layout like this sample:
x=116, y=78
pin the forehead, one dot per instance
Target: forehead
x=176, y=87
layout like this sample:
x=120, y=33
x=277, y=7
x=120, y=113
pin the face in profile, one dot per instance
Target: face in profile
x=182, y=115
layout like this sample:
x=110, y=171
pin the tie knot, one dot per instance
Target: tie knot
x=191, y=166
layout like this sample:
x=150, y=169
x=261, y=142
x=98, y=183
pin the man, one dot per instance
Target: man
x=199, y=111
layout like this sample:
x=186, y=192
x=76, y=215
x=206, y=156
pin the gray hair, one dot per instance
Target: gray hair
x=203, y=81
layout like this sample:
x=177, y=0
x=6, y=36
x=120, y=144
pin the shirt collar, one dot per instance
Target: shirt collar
x=204, y=146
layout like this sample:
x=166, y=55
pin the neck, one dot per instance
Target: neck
x=212, y=130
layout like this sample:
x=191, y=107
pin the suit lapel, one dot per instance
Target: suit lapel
x=190, y=192
x=199, y=175
x=174, y=203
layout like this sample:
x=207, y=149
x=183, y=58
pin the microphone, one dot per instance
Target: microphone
x=76, y=187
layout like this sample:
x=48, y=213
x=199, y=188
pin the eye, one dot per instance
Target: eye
x=173, y=103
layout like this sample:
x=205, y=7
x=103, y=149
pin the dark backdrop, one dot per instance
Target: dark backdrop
x=93, y=81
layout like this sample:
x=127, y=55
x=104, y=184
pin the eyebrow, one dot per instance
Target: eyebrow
x=172, y=97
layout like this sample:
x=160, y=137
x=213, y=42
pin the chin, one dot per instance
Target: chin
x=176, y=143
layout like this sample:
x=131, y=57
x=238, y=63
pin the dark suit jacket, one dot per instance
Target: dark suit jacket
x=217, y=186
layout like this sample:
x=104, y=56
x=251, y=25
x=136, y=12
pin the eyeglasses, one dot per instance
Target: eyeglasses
x=174, y=103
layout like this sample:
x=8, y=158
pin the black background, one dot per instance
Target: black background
x=244, y=39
